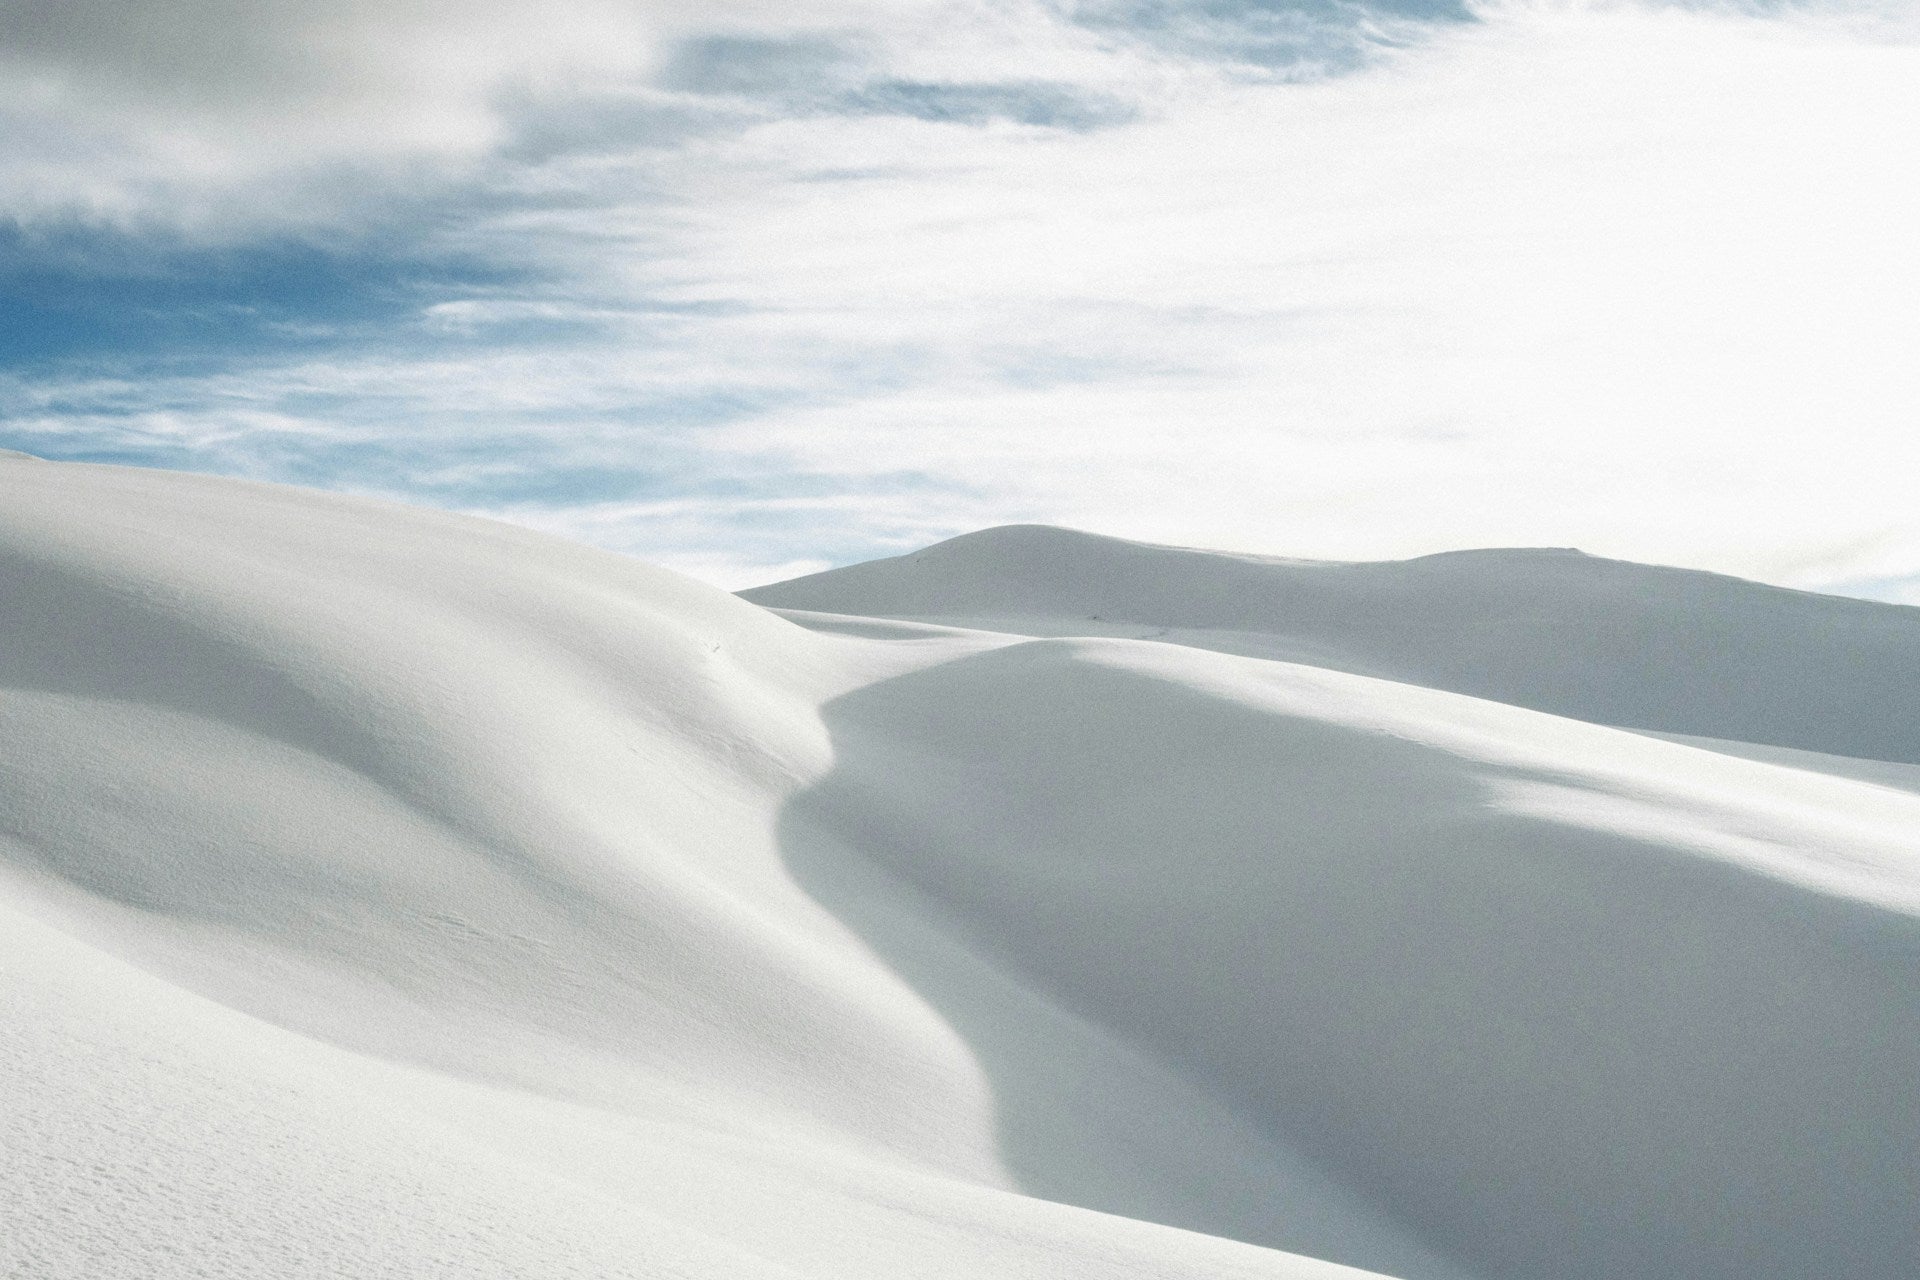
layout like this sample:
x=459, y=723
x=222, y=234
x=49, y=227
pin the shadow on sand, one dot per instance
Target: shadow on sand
x=1187, y=936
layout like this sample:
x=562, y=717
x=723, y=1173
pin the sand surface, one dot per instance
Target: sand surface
x=388, y=893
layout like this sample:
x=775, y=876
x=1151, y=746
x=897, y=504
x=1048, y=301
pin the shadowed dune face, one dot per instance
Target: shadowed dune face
x=1406, y=938
x=365, y=857
x=414, y=861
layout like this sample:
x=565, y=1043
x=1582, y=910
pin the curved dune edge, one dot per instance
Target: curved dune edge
x=387, y=892
x=1639, y=646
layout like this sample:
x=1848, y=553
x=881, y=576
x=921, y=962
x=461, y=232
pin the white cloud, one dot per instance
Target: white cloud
x=1638, y=279
x=216, y=116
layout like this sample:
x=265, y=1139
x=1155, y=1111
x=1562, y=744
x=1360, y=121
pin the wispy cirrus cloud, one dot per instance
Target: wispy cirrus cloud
x=742, y=289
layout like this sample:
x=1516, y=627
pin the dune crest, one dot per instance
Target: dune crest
x=388, y=892
x=1641, y=646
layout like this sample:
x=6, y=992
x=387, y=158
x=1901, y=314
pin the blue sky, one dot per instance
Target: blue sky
x=749, y=289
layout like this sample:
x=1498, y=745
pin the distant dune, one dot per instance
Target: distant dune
x=1548, y=628
x=389, y=893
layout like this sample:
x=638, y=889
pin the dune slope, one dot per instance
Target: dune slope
x=393, y=893
x=389, y=893
x=1637, y=645
x=1572, y=1002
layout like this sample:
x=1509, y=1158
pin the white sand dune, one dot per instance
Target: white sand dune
x=1551, y=629
x=385, y=893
